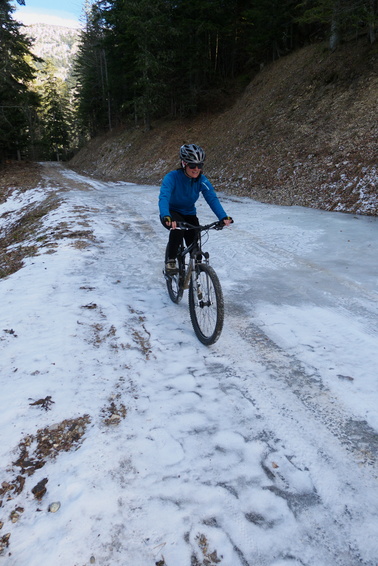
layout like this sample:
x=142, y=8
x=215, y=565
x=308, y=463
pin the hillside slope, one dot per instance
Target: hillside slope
x=55, y=43
x=304, y=132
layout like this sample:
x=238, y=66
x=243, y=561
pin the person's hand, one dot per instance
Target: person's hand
x=227, y=220
x=169, y=222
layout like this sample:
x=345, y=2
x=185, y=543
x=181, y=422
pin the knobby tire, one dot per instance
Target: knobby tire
x=206, y=304
x=174, y=282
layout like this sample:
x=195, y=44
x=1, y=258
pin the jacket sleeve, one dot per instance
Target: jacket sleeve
x=165, y=195
x=211, y=198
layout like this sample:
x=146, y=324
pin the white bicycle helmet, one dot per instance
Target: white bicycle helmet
x=192, y=153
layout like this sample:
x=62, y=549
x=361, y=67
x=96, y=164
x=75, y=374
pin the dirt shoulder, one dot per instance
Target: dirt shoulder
x=22, y=233
x=19, y=175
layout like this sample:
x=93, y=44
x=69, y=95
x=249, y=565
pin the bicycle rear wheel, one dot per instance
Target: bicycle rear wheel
x=174, y=282
x=206, y=304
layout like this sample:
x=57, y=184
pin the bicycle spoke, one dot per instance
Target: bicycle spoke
x=206, y=305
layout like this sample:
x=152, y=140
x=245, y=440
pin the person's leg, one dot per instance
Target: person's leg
x=175, y=240
x=175, y=236
x=190, y=235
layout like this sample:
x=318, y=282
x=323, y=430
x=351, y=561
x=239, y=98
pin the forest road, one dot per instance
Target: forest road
x=279, y=387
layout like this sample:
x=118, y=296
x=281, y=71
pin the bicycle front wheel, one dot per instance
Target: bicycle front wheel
x=206, y=304
x=174, y=282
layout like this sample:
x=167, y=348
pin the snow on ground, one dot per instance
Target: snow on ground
x=258, y=450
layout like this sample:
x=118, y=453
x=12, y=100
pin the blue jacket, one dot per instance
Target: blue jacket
x=180, y=193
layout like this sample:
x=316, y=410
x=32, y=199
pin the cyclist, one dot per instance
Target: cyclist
x=179, y=192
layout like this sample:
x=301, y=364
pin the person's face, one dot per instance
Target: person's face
x=193, y=173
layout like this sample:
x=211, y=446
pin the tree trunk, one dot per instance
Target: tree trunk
x=334, y=39
x=372, y=22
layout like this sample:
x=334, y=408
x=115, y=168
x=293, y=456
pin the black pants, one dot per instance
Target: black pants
x=176, y=236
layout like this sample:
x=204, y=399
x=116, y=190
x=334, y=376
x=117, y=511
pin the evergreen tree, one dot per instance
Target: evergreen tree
x=137, y=42
x=90, y=71
x=55, y=133
x=17, y=101
x=273, y=31
x=344, y=19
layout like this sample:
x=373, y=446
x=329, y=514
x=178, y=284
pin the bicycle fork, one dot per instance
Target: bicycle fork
x=190, y=271
x=201, y=293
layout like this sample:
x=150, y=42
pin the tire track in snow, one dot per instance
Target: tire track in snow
x=359, y=439
x=336, y=466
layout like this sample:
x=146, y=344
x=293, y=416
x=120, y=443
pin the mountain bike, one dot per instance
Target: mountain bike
x=206, y=306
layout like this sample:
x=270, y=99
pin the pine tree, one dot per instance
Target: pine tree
x=17, y=101
x=55, y=125
x=91, y=73
x=344, y=19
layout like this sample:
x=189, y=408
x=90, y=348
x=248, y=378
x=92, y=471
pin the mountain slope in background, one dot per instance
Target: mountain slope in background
x=55, y=43
x=304, y=132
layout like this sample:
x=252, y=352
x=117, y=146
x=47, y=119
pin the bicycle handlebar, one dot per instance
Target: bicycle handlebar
x=218, y=225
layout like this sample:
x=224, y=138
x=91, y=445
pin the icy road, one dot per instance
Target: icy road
x=260, y=450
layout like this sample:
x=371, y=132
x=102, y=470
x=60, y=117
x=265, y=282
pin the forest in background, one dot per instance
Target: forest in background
x=37, y=104
x=140, y=61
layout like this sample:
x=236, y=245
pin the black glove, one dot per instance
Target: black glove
x=227, y=218
x=167, y=220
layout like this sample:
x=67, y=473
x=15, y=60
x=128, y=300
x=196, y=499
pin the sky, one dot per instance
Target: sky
x=260, y=450
x=45, y=11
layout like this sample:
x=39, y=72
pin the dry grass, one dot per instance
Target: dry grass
x=35, y=450
x=19, y=175
x=16, y=241
x=24, y=236
x=114, y=412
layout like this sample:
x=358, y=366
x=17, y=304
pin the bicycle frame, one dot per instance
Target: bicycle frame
x=194, y=250
x=206, y=305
